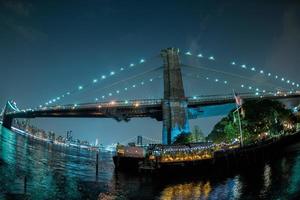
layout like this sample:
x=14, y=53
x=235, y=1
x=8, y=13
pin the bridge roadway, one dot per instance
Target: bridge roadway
x=124, y=110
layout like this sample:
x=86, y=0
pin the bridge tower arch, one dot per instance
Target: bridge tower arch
x=174, y=104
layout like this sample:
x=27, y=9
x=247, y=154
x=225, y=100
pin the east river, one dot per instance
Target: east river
x=55, y=172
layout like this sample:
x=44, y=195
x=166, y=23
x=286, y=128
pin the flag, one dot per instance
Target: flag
x=238, y=99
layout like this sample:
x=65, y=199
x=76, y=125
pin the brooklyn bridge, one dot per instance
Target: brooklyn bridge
x=174, y=109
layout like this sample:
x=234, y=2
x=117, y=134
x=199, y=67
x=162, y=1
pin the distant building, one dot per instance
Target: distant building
x=69, y=136
x=51, y=136
x=139, y=140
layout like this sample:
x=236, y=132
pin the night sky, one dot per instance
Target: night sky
x=50, y=47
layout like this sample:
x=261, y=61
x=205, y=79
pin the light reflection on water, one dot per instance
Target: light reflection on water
x=186, y=191
x=55, y=172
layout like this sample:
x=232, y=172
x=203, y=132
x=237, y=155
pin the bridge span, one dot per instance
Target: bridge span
x=174, y=109
x=124, y=110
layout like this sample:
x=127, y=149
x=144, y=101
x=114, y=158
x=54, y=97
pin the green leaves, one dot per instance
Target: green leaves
x=261, y=116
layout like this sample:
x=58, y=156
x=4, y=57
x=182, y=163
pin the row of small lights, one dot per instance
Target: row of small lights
x=94, y=81
x=112, y=73
x=225, y=82
x=269, y=75
x=125, y=89
x=110, y=94
x=253, y=69
x=244, y=86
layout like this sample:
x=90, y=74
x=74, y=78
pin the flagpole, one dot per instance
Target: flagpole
x=240, y=125
x=239, y=118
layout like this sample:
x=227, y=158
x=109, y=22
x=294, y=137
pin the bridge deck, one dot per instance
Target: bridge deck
x=124, y=110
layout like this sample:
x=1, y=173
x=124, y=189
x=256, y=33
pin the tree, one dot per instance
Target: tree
x=197, y=135
x=183, y=138
x=261, y=116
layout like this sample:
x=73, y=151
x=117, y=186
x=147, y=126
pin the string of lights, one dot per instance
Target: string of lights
x=257, y=91
x=261, y=72
x=94, y=82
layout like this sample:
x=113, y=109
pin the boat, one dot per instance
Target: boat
x=209, y=157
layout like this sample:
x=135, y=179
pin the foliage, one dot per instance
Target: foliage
x=183, y=138
x=195, y=136
x=260, y=117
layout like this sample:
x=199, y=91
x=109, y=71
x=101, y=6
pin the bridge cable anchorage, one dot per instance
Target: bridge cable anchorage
x=94, y=81
x=229, y=74
x=253, y=69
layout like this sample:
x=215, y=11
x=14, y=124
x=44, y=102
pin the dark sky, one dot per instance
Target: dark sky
x=50, y=47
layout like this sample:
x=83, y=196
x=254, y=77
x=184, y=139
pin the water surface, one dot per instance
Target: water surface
x=55, y=172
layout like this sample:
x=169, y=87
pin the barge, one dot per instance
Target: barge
x=200, y=157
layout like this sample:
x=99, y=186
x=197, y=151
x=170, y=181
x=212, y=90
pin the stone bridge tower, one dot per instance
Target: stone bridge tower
x=174, y=106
